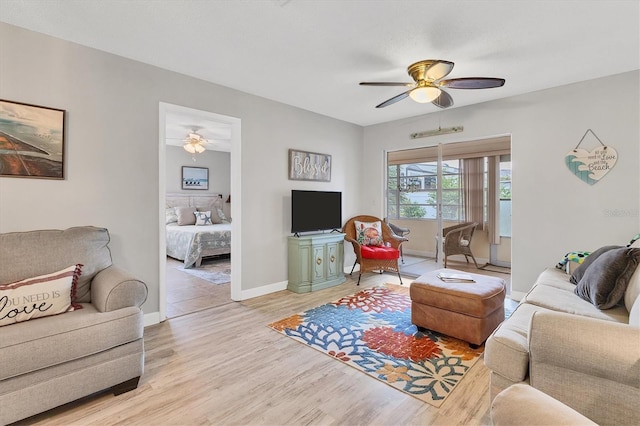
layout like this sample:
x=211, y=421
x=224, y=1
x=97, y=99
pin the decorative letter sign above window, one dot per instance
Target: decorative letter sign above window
x=309, y=166
x=591, y=166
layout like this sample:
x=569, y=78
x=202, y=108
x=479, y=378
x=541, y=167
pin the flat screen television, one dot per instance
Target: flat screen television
x=315, y=211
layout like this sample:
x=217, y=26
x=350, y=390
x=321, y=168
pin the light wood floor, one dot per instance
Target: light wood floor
x=187, y=293
x=224, y=366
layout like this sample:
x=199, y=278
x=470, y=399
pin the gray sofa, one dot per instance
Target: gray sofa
x=567, y=348
x=50, y=361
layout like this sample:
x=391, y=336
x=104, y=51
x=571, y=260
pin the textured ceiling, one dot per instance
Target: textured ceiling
x=313, y=54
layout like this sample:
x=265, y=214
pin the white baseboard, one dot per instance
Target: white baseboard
x=152, y=318
x=418, y=253
x=261, y=291
x=430, y=254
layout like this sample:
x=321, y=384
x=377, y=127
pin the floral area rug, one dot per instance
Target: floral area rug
x=372, y=332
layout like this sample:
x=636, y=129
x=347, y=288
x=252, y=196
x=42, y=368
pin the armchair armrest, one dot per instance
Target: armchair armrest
x=395, y=240
x=113, y=288
x=521, y=404
x=591, y=365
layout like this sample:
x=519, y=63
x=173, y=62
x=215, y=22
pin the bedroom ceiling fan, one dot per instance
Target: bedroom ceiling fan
x=194, y=143
x=428, y=85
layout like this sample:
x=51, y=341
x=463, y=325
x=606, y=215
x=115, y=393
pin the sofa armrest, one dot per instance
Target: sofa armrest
x=589, y=364
x=113, y=288
x=521, y=404
x=590, y=346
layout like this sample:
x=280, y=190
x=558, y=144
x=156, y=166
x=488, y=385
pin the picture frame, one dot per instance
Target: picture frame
x=195, y=178
x=32, y=141
x=313, y=166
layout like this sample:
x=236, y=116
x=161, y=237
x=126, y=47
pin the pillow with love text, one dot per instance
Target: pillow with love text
x=40, y=296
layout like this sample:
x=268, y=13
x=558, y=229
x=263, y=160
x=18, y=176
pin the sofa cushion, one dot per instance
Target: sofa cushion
x=605, y=282
x=36, y=253
x=40, y=343
x=580, y=270
x=40, y=296
x=507, y=349
x=553, y=277
x=560, y=300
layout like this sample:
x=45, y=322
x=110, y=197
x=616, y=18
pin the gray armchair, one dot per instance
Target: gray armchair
x=399, y=231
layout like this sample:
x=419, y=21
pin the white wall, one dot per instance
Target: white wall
x=112, y=141
x=553, y=211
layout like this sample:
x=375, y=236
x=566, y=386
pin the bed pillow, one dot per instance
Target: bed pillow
x=580, y=270
x=40, y=296
x=203, y=218
x=215, y=218
x=186, y=215
x=222, y=216
x=369, y=233
x=606, y=280
x=172, y=217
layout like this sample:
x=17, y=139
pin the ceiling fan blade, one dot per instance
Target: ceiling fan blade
x=395, y=99
x=444, y=100
x=438, y=70
x=472, y=83
x=366, y=83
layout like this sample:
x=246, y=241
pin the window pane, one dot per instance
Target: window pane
x=450, y=213
x=412, y=190
x=505, y=218
x=505, y=198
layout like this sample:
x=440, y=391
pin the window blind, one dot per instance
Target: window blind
x=499, y=145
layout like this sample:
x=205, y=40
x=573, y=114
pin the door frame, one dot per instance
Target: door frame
x=235, y=189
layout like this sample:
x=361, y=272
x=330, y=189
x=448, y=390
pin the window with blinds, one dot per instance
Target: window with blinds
x=471, y=177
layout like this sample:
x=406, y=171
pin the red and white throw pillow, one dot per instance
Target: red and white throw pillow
x=369, y=233
x=41, y=296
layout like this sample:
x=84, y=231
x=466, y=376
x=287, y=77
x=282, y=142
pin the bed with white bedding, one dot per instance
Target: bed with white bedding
x=190, y=243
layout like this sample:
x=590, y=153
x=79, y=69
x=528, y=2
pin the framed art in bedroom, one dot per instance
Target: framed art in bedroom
x=31, y=141
x=195, y=177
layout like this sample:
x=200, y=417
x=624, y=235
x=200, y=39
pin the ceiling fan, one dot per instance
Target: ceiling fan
x=428, y=85
x=194, y=143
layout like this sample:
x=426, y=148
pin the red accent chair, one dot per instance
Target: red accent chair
x=374, y=258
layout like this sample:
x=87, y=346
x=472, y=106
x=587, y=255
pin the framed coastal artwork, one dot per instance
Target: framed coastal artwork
x=31, y=141
x=195, y=177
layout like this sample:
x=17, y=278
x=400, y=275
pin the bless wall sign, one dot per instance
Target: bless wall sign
x=309, y=166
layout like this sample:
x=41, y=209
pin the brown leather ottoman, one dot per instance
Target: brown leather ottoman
x=467, y=311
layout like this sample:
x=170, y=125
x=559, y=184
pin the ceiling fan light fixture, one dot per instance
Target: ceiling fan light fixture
x=194, y=144
x=424, y=94
x=190, y=148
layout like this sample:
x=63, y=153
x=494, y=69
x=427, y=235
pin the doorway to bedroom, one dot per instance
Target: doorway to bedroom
x=195, y=169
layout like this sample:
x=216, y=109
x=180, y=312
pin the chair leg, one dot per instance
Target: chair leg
x=353, y=267
x=400, y=277
x=474, y=261
x=466, y=258
x=445, y=260
x=359, y=275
